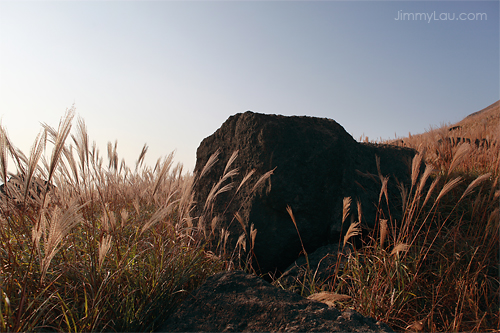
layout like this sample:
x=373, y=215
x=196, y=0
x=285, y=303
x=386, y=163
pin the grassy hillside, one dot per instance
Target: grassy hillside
x=480, y=129
x=111, y=247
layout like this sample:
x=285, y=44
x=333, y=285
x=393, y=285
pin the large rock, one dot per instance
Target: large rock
x=239, y=302
x=16, y=186
x=314, y=161
x=320, y=266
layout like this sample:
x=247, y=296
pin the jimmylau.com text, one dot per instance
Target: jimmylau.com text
x=433, y=16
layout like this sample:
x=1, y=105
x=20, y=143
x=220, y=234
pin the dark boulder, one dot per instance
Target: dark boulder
x=320, y=266
x=315, y=164
x=239, y=302
x=15, y=188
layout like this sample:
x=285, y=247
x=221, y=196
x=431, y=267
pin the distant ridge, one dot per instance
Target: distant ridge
x=479, y=126
x=488, y=108
x=481, y=122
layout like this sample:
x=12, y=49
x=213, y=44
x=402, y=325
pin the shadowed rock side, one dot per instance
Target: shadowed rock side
x=322, y=264
x=315, y=162
x=239, y=302
x=16, y=187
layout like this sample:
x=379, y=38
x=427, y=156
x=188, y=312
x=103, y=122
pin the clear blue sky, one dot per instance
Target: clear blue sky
x=169, y=73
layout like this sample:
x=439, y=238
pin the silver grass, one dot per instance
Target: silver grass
x=230, y=161
x=245, y=179
x=159, y=215
x=429, y=170
x=404, y=196
x=240, y=220
x=459, y=156
x=142, y=155
x=353, y=231
x=104, y=247
x=35, y=154
x=253, y=235
x=113, y=156
x=242, y=243
x=448, y=187
x=346, y=206
x=262, y=179
x=165, y=166
x=415, y=168
x=210, y=163
x=59, y=225
x=214, y=223
x=81, y=141
x=383, y=189
x=290, y=212
x=62, y=133
x=18, y=157
x=474, y=184
x=383, y=231
x=329, y=298
x=431, y=189
x=215, y=189
x=401, y=247
x=493, y=224
x=360, y=211
x=3, y=155
x=225, y=188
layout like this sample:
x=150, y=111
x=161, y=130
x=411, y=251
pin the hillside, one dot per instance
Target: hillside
x=480, y=131
x=483, y=124
x=479, y=125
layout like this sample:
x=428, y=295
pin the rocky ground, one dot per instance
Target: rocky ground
x=239, y=302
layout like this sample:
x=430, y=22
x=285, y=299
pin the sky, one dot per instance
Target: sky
x=169, y=73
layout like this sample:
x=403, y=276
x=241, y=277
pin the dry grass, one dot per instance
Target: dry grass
x=437, y=269
x=103, y=249
x=109, y=248
x=478, y=154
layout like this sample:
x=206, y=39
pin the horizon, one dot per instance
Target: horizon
x=168, y=74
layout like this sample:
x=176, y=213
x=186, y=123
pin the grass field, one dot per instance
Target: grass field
x=88, y=243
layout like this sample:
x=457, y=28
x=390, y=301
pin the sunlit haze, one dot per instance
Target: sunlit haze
x=169, y=73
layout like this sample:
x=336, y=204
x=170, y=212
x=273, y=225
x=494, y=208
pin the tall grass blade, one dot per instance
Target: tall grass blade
x=415, y=168
x=448, y=187
x=262, y=179
x=62, y=133
x=104, y=247
x=431, y=190
x=474, y=184
x=383, y=231
x=429, y=170
x=142, y=155
x=360, y=211
x=401, y=247
x=59, y=225
x=3, y=155
x=290, y=212
x=354, y=230
x=459, y=156
x=210, y=163
x=346, y=206
x=245, y=179
x=232, y=158
x=35, y=155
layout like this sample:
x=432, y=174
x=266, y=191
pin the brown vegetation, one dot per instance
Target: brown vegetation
x=438, y=268
x=106, y=249
x=110, y=248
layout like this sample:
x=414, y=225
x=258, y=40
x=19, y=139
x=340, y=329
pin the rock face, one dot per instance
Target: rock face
x=314, y=161
x=238, y=302
x=322, y=263
x=16, y=186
